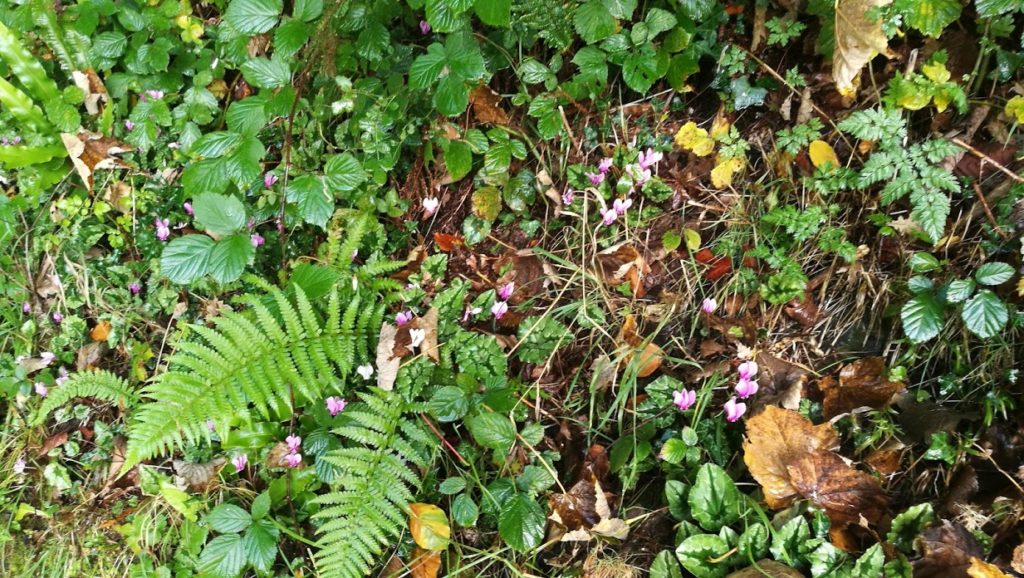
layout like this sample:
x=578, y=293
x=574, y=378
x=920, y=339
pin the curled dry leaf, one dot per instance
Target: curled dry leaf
x=767, y=569
x=584, y=513
x=54, y=441
x=648, y=355
x=89, y=355
x=428, y=323
x=803, y=311
x=387, y=362
x=623, y=263
x=945, y=551
x=92, y=86
x=90, y=152
x=858, y=40
x=847, y=495
x=1018, y=559
x=198, y=477
x=487, y=106
x=777, y=438
x=861, y=384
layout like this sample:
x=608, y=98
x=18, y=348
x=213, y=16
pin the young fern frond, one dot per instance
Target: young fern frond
x=250, y=358
x=367, y=510
x=97, y=384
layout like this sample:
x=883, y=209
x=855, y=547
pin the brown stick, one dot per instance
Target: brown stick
x=987, y=159
x=988, y=211
x=433, y=428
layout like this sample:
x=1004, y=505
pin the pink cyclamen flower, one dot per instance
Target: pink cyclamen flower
x=293, y=460
x=134, y=288
x=608, y=216
x=604, y=166
x=57, y=317
x=211, y=425
x=499, y=309
x=648, y=160
x=355, y=254
x=470, y=312
x=47, y=357
x=188, y=207
x=19, y=466
x=129, y=125
x=403, y=317
x=163, y=228
x=16, y=140
x=41, y=389
x=430, y=205
x=240, y=462
x=709, y=305
x=746, y=388
x=734, y=410
x=506, y=291
x=684, y=399
x=294, y=443
x=620, y=205
x=747, y=370
x=155, y=94
x=335, y=405
x=256, y=239
x=568, y=197
x=424, y=27
x=174, y=145
x=269, y=179
x=26, y=308
x=595, y=178
x=63, y=376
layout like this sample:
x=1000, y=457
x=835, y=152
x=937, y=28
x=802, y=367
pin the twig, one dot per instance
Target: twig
x=988, y=211
x=987, y=159
x=451, y=448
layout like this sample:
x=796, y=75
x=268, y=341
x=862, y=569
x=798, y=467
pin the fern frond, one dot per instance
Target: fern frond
x=367, y=510
x=250, y=358
x=99, y=384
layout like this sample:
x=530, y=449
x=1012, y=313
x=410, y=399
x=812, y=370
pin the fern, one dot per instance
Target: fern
x=96, y=384
x=368, y=508
x=251, y=358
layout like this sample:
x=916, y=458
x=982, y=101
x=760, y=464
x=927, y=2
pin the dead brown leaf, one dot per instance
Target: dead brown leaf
x=54, y=441
x=767, y=569
x=425, y=563
x=777, y=438
x=89, y=355
x=982, y=569
x=198, y=477
x=92, y=86
x=428, y=323
x=276, y=457
x=623, y=263
x=487, y=106
x=1018, y=559
x=803, y=311
x=387, y=362
x=861, y=384
x=945, y=551
x=584, y=512
x=858, y=40
x=90, y=152
x=848, y=495
x=649, y=355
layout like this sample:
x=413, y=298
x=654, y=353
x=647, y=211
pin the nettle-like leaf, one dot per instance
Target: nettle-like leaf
x=985, y=314
x=922, y=317
x=253, y=16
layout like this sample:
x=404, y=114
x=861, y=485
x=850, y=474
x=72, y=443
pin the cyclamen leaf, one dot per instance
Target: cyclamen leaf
x=253, y=16
x=714, y=499
x=695, y=553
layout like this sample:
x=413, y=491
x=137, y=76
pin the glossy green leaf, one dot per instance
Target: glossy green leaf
x=219, y=214
x=994, y=273
x=521, y=523
x=224, y=557
x=985, y=314
x=922, y=317
x=714, y=499
x=228, y=518
x=185, y=259
x=253, y=16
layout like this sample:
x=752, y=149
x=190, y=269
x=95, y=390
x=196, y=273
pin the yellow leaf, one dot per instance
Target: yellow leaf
x=1015, y=108
x=936, y=72
x=915, y=100
x=429, y=527
x=692, y=239
x=693, y=138
x=721, y=175
x=942, y=99
x=822, y=153
x=720, y=125
x=1020, y=287
x=858, y=40
x=981, y=569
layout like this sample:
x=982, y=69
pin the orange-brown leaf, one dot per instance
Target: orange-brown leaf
x=848, y=495
x=425, y=563
x=445, y=242
x=101, y=331
x=777, y=438
x=861, y=384
x=982, y=569
x=486, y=106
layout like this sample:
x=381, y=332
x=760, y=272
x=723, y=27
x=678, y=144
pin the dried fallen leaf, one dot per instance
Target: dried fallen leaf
x=821, y=153
x=649, y=360
x=945, y=551
x=1018, y=559
x=803, y=311
x=584, y=512
x=198, y=477
x=89, y=355
x=446, y=243
x=777, y=438
x=276, y=456
x=90, y=152
x=858, y=40
x=848, y=495
x=54, y=441
x=425, y=563
x=428, y=323
x=982, y=569
x=429, y=527
x=486, y=106
x=101, y=331
x=767, y=569
x=387, y=362
x=649, y=355
x=861, y=384
x=92, y=86
x=622, y=263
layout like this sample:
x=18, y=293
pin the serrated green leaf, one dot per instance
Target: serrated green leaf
x=448, y=404
x=228, y=518
x=253, y=16
x=994, y=273
x=186, y=259
x=532, y=71
x=452, y=486
x=229, y=256
x=985, y=314
x=464, y=511
x=343, y=173
x=247, y=116
x=458, y=159
x=640, y=69
x=308, y=10
x=621, y=9
x=593, y=65
x=544, y=108
x=215, y=144
x=931, y=209
x=959, y=290
x=493, y=431
x=315, y=203
x=260, y=543
x=290, y=37
x=223, y=557
x=494, y=12
x=219, y=214
x=109, y=44
x=260, y=506
x=992, y=8
x=922, y=317
x=521, y=523
x=659, y=21
x=594, y=22
x=931, y=17
x=451, y=96
x=267, y=72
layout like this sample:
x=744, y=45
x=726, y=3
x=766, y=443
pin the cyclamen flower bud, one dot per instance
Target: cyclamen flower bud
x=684, y=399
